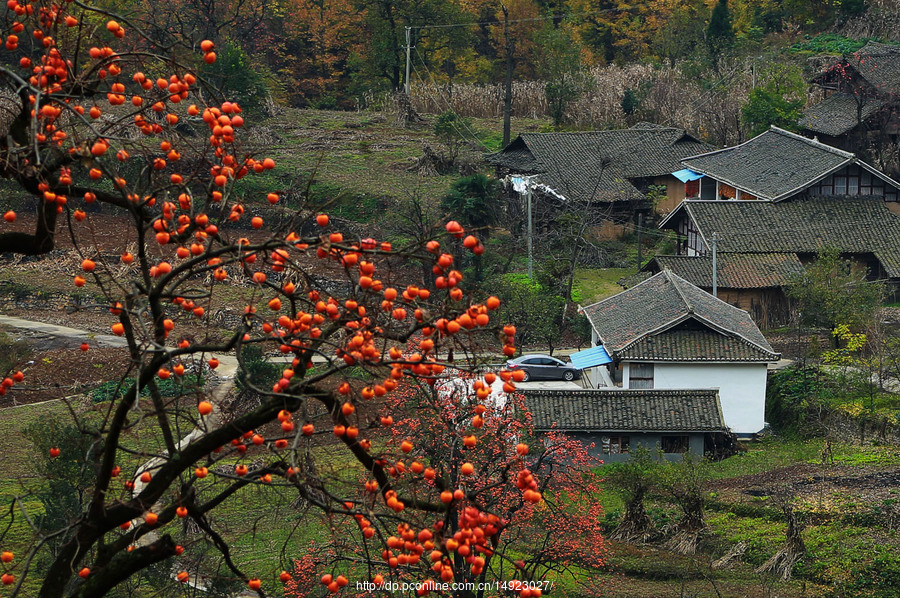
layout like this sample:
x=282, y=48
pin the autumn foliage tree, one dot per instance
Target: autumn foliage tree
x=99, y=115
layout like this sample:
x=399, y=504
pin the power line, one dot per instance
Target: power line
x=447, y=101
x=560, y=17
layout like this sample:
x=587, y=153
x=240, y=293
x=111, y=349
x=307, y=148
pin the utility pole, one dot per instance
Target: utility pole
x=408, y=48
x=507, y=98
x=530, y=233
x=715, y=271
x=640, y=225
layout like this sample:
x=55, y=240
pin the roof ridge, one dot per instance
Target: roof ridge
x=724, y=149
x=606, y=131
x=709, y=390
x=671, y=276
x=814, y=142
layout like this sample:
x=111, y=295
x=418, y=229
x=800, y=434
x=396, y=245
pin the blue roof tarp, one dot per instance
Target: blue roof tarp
x=686, y=174
x=590, y=358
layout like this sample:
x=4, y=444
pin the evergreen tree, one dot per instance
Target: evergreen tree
x=720, y=32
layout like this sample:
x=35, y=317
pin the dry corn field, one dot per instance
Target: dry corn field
x=667, y=97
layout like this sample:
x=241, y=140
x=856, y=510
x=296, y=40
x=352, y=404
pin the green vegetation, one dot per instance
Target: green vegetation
x=173, y=387
x=592, y=285
x=850, y=544
x=830, y=43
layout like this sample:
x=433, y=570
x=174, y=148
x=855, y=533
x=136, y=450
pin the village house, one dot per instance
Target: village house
x=861, y=96
x=666, y=333
x=761, y=245
x=610, y=170
x=803, y=196
x=778, y=165
x=611, y=424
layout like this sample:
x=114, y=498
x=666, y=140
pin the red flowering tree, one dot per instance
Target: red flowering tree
x=132, y=129
x=464, y=439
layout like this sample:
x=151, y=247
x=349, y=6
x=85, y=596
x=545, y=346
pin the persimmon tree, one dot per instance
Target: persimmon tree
x=133, y=130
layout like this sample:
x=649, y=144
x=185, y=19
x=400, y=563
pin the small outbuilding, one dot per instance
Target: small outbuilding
x=612, y=423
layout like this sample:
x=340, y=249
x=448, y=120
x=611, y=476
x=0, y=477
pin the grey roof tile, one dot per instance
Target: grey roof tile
x=599, y=165
x=624, y=410
x=879, y=64
x=857, y=225
x=838, y=113
x=663, y=302
x=772, y=165
x=694, y=345
x=735, y=270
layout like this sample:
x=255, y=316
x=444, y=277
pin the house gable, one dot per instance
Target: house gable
x=665, y=302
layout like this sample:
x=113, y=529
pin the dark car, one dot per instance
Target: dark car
x=543, y=367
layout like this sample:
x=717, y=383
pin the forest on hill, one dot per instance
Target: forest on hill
x=582, y=63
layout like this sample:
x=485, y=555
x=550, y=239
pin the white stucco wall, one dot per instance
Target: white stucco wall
x=742, y=388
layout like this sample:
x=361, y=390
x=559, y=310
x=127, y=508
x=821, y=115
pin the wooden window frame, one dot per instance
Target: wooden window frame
x=622, y=442
x=632, y=378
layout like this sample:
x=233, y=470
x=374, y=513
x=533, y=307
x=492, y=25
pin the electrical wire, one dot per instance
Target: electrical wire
x=447, y=101
x=560, y=17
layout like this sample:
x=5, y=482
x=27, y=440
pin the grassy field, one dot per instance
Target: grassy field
x=848, y=530
x=363, y=154
x=592, y=285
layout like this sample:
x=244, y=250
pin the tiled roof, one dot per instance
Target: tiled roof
x=625, y=410
x=838, y=114
x=772, y=165
x=663, y=302
x=879, y=64
x=857, y=225
x=694, y=345
x=735, y=270
x=597, y=165
x=626, y=282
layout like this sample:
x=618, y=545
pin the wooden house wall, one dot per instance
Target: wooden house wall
x=769, y=307
x=674, y=193
x=690, y=241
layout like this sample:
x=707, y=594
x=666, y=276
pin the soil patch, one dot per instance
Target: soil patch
x=810, y=482
x=61, y=372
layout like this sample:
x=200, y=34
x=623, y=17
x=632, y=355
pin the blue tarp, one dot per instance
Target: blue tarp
x=590, y=357
x=686, y=174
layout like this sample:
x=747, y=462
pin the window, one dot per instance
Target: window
x=840, y=185
x=675, y=444
x=640, y=375
x=614, y=445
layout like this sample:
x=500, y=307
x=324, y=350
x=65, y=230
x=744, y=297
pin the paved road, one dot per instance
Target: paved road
x=74, y=334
